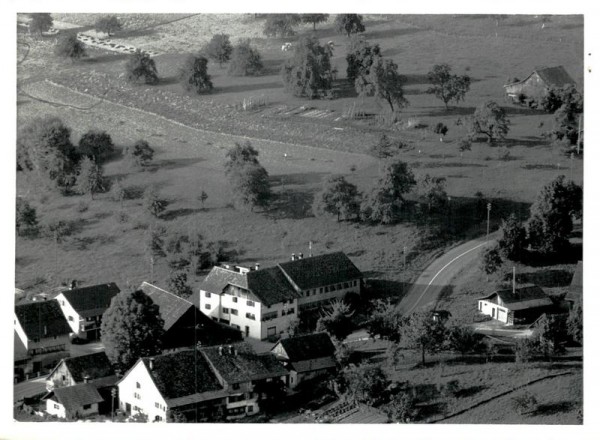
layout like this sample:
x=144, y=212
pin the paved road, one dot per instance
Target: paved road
x=427, y=288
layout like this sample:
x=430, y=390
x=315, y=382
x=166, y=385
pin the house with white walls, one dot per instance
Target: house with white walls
x=84, y=306
x=263, y=303
x=73, y=402
x=516, y=306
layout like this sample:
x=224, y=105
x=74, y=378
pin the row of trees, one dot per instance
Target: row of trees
x=282, y=25
x=43, y=22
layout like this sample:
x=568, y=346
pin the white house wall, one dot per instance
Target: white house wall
x=487, y=307
x=21, y=332
x=71, y=315
x=149, y=396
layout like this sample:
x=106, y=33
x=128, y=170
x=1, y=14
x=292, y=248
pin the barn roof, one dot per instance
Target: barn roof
x=94, y=366
x=553, y=77
x=219, y=277
x=170, y=306
x=74, y=397
x=270, y=286
x=576, y=287
x=313, y=346
x=42, y=319
x=91, y=300
x=527, y=297
x=321, y=270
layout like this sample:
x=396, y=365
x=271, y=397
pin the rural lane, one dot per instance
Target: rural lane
x=428, y=287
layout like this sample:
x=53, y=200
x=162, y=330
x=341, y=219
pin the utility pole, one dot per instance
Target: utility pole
x=113, y=394
x=489, y=208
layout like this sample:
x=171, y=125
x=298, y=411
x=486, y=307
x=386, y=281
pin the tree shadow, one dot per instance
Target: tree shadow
x=296, y=178
x=550, y=409
x=272, y=67
x=393, y=51
x=390, y=33
x=105, y=58
x=342, y=88
x=168, y=80
x=413, y=79
x=143, y=32
x=571, y=255
x=546, y=278
x=173, y=164
x=239, y=88
x=524, y=142
x=451, y=111
x=523, y=111
x=292, y=204
x=387, y=289
x=470, y=391
x=176, y=213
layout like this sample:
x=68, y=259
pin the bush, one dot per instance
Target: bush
x=245, y=60
x=281, y=25
x=97, y=145
x=193, y=75
x=524, y=403
x=26, y=218
x=108, y=24
x=140, y=154
x=140, y=68
x=440, y=128
x=219, y=48
x=308, y=74
x=68, y=46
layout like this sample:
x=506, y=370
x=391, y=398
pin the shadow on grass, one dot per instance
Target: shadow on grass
x=470, y=391
x=523, y=111
x=294, y=204
x=272, y=67
x=173, y=164
x=387, y=289
x=523, y=142
x=105, y=58
x=546, y=278
x=176, y=213
x=452, y=111
x=241, y=88
x=550, y=409
x=391, y=33
x=296, y=179
x=168, y=80
x=571, y=255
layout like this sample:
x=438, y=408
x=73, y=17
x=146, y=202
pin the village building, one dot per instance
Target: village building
x=575, y=292
x=537, y=84
x=306, y=357
x=516, y=306
x=73, y=402
x=245, y=375
x=43, y=334
x=263, y=303
x=92, y=368
x=184, y=325
x=85, y=306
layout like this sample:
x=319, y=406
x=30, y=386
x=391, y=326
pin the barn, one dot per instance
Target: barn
x=538, y=82
x=519, y=306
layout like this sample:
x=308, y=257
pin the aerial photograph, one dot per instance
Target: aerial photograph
x=298, y=218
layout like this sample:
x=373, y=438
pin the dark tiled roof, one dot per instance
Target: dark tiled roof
x=20, y=352
x=170, y=306
x=576, y=287
x=302, y=348
x=42, y=319
x=244, y=365
x=181, y=374
x=524, y=298
x=91, y=300
x=218, y=278
x=313, y=365
x=95, y=366
x=270, y=286
x=555, y=76
x=321, y=270
x=74, y=397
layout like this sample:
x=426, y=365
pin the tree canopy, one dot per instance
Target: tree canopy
x=97, y=145
x=314, y=19
x=153, y=202
x=219, y=48
x=384, y=83
x=26, y=218
x=109, y=24
x=385, y=321
x=40, y=22
x=131, y=328
x=364, y=383
x=91, y=178
x=360, y=57
x=489, y=119
x=193, y=75
x=308, y=73
x=513, y=239
x=336, y=320
x=337, y=197
x=250, y=186
x=281, y=25
x=245, y=60
x=139, y=154
x=349, y=24
x=491, y=260
x=448, y=87
x=140, y=68
x=423, y=332
x=433, y=192
x=68, y=46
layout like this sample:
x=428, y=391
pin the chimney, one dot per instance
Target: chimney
x=300, y=256
x=86, y=379
x=256, y=266
x=151, y=364
x=73, y=284
x=293, y=257
x=230, y=349
x=220, y=351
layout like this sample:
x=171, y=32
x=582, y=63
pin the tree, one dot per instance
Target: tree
x=575, y=322
x=462, y=338
x=202, y=197
x=364, y=383
x=526, y=349
x=175, y=416
x=97, y=145
x=464, y=145
x=90, y=179
x=448, y=87
x=314, y=19
x=524, y=403
x=68, y=46
x=44, y=148
x=281, y=25
x=402, y=408
x=552, y=332
x=40, y=22
x=26, y=218
x=441, y=129
x=140, y=154
x=153, y=203
x=421, y=331
x=513, y=239
x=337, y=197
x=336, y=321
x=349, y=24
x=308, y=72
x=556, y=97
x=239, y=156
x=385, y=321
x=219, y=48
x=245, y=60
x=140, y=68
x=433, y=190
x=491, y=260
x=384, y=83
x=131, y=328
x=489, y=119
x=551, y=219
x=178, y=284
x=109, y=24
x=250, y=186
x=360, y=58
x=384, y=202
x=384, y=148
x=566, y=117
x=193, y=75
x=118, y=191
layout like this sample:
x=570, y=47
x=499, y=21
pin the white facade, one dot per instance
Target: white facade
x=496, y=311
x=320, y=296
x=138, y=394
x=54, y=408
x=73, y=318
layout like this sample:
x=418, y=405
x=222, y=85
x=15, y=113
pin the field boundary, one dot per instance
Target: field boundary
x=504, y=393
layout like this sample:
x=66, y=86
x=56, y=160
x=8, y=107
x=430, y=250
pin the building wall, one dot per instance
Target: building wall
x=282, y=322
x=21, y=332
x=311, y=297
x=61, y=377
x=498, y=312
x=146, y=398
x=71, y=315
x=55, y=408
x=532, y=87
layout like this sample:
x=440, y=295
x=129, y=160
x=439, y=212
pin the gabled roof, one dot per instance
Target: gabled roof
x=20, y=351
x=219, y=277
x=74, y=397
x=321, y=270
x=576, y=287
x=181, y=374
x=270, y=286
x=524, y=298
x=42, y=319
x=244, y=364
x=93, y=366
x=170, y=306
x=302, y=348
x=313, y=364
x=91, y=300
x=552, y=76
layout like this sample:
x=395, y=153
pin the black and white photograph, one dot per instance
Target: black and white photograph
x=283, y=217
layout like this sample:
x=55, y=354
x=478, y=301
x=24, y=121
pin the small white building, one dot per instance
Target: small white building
x=84, y=307
x=77, y=401
x=524, y=305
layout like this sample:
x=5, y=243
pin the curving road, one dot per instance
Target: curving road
x=427, y=288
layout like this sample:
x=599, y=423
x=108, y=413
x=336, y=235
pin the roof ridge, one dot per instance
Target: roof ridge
x=166, y=291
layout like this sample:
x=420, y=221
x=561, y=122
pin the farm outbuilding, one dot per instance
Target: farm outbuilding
x=518, y=306
x=538, y=83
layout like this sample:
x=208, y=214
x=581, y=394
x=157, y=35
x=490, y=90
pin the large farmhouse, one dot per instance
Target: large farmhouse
x=264, y=302
x=538, y=83
x=518, y=306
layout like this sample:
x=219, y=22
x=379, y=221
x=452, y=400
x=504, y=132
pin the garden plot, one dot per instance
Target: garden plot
x=104, y=43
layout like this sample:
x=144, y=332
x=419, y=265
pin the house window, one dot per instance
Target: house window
x=207, y=306
x=70, y=318
x=346, y=285
x=320, y=290
x=237, y=327
x=354, y=283
x=250, y=303
x=234, y=299
x=157, y=418
x=234, y=312
x=339, y=286
x=235, y=386
x=56, y=406
x=207, y=294
x=137, y=385
x=36, y=339
x=225, y=310
x=250, y=408
x=290, y=311
x=64, y=377
x=137, y=396
x=271, y=331
x=251, y=316
x=157, y=405
x=87, y=406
